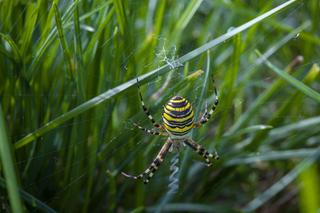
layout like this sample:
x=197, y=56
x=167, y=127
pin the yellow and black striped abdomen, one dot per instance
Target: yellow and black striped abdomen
x=178, y=116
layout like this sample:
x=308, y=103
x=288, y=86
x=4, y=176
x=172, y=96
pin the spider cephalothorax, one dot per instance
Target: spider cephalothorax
x=178, y=121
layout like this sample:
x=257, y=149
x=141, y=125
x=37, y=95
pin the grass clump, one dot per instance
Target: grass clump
x=69, y=99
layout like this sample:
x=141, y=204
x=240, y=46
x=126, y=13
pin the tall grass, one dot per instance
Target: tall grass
x=69, y=99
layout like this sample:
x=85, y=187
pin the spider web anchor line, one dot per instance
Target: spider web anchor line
x=174, y=176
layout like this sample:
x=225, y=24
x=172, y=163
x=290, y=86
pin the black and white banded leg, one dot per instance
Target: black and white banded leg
x=202, y=151
x=207, y=115
x=149, y=172
x=150, y=131
x=146, y=110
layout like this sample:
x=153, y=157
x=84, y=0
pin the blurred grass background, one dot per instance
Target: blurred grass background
x=69, y=98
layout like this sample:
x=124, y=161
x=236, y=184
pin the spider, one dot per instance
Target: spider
x=178, y=121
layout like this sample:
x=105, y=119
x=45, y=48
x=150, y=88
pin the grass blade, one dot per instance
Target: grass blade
x=204, y=85
x=63, y=42
x=303, y=124
x=193, y=207
x=309, y=190
x=79, y=52
x=121, y=15
x=32, y=12
x=272, y=155
x=8, y=168
x=15, y=49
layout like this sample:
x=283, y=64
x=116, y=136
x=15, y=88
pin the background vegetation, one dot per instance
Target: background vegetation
x=69, y=99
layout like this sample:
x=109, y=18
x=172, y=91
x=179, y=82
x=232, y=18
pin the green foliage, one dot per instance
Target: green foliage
x=68, y=95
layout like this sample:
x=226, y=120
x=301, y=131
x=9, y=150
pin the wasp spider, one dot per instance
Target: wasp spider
x=178, y=121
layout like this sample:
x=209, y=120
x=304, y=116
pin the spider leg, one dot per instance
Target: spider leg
x=206, y=115
x=149, y=172
x=202, y=151
x=146, y=110
x=151, y=132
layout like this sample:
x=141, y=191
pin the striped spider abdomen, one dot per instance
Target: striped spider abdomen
x=178, y=117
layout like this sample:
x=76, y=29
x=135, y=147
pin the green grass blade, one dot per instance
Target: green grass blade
x=271, y=155
x=32, y=14
x=251, y=129
x=309, y=190
x=7, y=162
x=121, y=15
x=297, y=126
x=204, y=85
x=79, y=53
x=193, y=207
x=15, y=49
x=63, y=42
